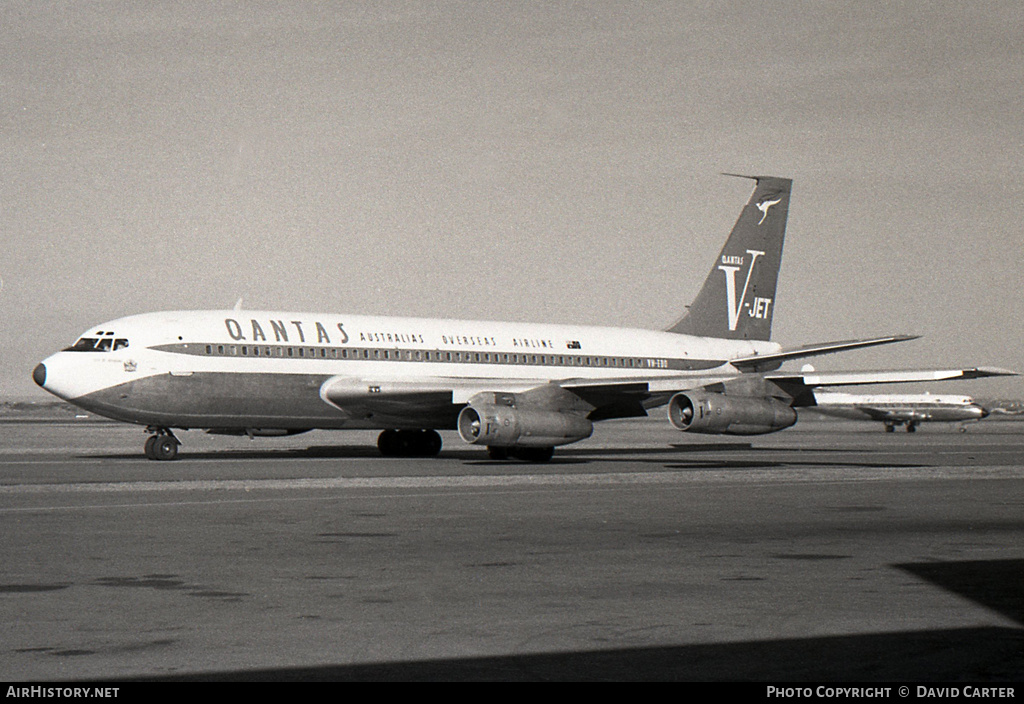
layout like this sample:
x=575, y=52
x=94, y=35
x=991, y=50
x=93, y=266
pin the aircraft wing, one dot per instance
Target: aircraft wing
x=813, y=379
x=626, y=398
x=437, y=400
x=615, y=398
x=800, y=385
x=433, y=400
x=770, y=362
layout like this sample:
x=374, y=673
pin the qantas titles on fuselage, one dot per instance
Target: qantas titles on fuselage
x=268, y=337
x=280, y=330
x=293, y=331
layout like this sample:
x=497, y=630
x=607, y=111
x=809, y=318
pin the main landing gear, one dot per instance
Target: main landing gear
x=409, y=443
x=163, y=445
x=527, y=454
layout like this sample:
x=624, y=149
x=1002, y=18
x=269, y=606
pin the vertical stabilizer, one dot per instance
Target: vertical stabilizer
x=738, y=297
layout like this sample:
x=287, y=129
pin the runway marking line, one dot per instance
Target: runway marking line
x=769, y=475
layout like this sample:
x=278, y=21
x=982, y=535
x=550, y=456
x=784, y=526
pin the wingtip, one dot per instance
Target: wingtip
x=978, y=372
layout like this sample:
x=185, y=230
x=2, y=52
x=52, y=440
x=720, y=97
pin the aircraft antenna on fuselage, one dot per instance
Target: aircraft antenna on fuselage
x=737, y=300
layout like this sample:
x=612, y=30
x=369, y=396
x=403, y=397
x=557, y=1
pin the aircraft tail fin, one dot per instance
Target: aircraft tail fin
x=738, y=297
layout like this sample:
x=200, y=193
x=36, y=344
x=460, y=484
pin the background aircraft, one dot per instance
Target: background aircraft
x=898, y=409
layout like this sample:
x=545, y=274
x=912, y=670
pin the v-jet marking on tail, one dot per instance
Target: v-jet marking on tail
x=518, y=389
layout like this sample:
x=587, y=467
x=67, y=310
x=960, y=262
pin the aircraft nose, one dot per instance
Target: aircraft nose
x=39, y=374
x=984, y=411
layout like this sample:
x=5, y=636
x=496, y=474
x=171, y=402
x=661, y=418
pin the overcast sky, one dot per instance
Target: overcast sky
x=532, y=161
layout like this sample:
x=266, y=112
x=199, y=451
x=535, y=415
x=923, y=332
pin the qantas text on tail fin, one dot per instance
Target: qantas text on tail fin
x=518, y=389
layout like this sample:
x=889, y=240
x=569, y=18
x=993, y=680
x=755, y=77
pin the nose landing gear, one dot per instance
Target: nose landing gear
x=163, y=445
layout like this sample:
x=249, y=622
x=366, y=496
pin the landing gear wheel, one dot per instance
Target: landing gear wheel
x=165, y=448
x=431, y=443
x=534, y=454
x=161, y=446
x=890, y=428
x=387, y=443
x=497, y=453
x=409, y=443
x=911, y=428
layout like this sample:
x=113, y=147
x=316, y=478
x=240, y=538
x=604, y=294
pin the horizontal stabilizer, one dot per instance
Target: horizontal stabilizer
x=768, y=362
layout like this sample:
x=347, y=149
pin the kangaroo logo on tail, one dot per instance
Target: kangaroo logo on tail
x=722, y=308
x=763, y=207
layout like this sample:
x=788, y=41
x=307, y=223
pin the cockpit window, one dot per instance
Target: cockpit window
x=86, y=344
x=93, y=344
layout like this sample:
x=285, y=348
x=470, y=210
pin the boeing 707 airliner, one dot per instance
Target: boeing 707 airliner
x=518, y=389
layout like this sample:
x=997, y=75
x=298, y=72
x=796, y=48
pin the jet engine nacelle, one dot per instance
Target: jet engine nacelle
x=507, y=426
x=717, y=414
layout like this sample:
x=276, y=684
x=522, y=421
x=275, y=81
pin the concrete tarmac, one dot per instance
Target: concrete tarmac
x=830, y=552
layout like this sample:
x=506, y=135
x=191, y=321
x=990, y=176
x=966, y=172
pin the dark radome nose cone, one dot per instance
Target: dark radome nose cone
x=39, y=374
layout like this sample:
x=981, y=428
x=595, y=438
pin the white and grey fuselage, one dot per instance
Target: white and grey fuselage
x=292, y=371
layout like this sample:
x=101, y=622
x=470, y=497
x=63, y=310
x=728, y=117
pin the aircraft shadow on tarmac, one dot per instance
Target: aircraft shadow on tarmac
x=761, y=464
x=562, y=457
x=464, y=453
x=983, y=654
